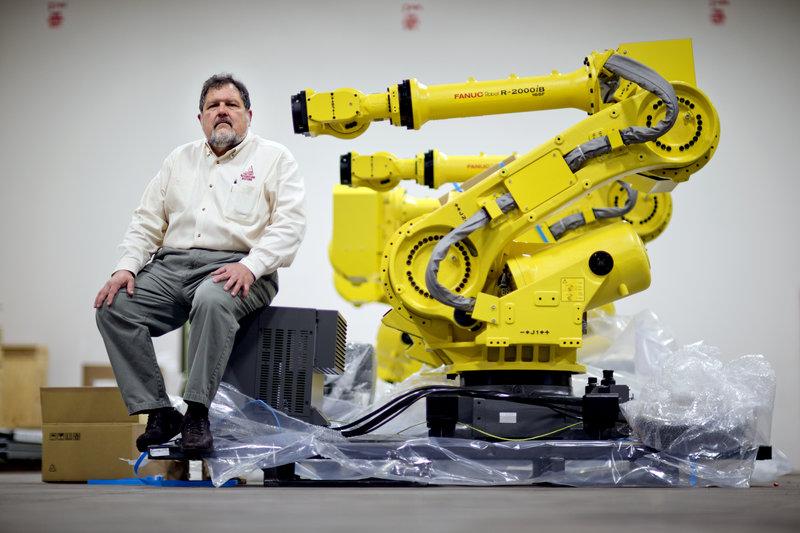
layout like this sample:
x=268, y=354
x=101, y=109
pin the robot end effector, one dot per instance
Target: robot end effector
x=344, y=113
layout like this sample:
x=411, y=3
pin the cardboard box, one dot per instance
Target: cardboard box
x=97, y=376
x=23, y=371
x=87, y=433
x=85, y=404
x=84, y=451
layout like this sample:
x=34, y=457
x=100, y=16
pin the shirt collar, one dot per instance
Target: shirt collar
x=230, y=154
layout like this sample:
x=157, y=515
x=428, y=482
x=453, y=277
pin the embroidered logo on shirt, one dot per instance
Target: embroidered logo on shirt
x=248, y=175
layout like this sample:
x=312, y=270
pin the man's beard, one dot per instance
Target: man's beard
x=224, y=140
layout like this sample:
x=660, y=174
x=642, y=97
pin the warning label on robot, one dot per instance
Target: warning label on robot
x=573, y=289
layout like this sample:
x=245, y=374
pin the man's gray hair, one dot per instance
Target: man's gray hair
x=218, y=80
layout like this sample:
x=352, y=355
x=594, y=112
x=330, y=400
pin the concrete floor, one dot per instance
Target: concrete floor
x=28, y=505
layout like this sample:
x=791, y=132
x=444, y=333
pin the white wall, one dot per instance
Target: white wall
x=91, y=108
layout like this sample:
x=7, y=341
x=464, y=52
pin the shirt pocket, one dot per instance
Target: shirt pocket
x=242, y=202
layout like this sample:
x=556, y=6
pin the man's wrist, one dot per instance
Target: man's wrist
x=252, y=271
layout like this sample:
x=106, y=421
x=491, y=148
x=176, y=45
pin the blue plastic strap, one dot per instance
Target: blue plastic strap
x=158, y=481
x=138, y=463
x=541, y=234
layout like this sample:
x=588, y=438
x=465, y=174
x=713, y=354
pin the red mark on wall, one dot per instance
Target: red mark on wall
x=55, y=13
x=411, y=16
x=718, y=11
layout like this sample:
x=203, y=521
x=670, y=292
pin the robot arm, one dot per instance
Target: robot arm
x=346, y=113
x=460, y=279
x=535, y=185
x=383, y=171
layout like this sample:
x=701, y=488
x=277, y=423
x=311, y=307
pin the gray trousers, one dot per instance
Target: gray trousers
x=172, y=288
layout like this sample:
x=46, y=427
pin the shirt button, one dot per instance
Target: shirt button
x=198, y=234
x=211, y=186
x=203, y=209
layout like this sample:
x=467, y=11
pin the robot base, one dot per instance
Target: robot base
x=499, y=406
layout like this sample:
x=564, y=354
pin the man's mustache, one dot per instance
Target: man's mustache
x=224, y=120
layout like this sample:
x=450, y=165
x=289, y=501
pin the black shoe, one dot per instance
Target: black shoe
x=196, y=439
x=162, y=425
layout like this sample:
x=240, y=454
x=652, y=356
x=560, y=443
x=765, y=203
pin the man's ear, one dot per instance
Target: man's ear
x=200, y=117
x=249, y=116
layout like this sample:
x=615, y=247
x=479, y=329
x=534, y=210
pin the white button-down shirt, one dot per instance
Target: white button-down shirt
x=250, y=199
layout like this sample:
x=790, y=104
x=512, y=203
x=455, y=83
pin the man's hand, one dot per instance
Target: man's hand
x=119, y=279
x=238, y=276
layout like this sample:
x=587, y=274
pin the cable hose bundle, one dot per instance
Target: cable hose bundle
x=396, y=406
x=623, y=66
x=577, y=220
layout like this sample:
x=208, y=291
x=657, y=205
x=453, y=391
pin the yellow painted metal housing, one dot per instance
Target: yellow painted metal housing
x=363, y=221
x=528, y=299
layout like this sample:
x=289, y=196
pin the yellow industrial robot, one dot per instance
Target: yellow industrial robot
x=508, y=316
x=369, y=205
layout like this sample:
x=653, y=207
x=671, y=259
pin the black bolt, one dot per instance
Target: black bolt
x=608, y=378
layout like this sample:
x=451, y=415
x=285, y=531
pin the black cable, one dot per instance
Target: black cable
x=388, y=412
x=390, y=403
x=396, y=406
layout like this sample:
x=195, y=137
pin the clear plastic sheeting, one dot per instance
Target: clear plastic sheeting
x=355, y=387
x=249, y=436
x=696, y=421
x=685, y=399
x=771, y=469
x=699, y=404
x=634, y=347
